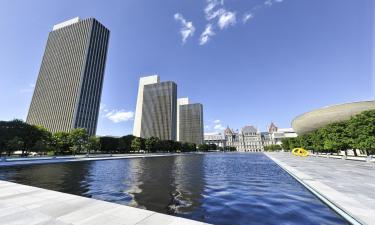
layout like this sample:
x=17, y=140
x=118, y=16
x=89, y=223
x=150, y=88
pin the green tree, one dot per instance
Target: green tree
x=285, y=144
x=335, y=137
x=93, y=144
x=125, y=143
x=152, y=144
x=108, y=144
x=14, y=144
x=61, y=143
x=79, y=140
x=203, y=147
x=137, y=144
x=317, y=140
x=361, y=132
x=40, y=147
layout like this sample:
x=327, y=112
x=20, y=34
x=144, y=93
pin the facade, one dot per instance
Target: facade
x=275, y=135
x=157, y=115
x=69, y=85
x=180, y=101
x=218, y=139
x=139, y=108
x=249, y=139
x=246, y=140
x=190, y=125
x=315, y=119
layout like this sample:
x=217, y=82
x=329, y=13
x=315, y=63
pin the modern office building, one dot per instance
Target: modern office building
x=180, y=101
x=154, y=79
x=156, y=109
x=69, y=85
x=190, y=122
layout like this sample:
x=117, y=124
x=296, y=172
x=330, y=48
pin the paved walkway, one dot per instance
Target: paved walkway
x=350, y=185
x=21, y=204
x=61, y=159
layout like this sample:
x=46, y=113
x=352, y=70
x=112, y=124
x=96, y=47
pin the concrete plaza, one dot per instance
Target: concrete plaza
x=349, y=185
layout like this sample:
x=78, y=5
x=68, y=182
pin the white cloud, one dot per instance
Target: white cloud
x=115, y=115
x=210, y=11
x=217, y=121
x=247, y=16
x=226, y=19
x=118, y=116
x=206, y=35
x=271, y=2
x=268, y=2
x=187, y=28
x=219, y=127
x=218, y=17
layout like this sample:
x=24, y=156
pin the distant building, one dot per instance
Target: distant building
x=69, y=86
x=156, y=109
x=275, y=135
x=218, y=139
x=246, y=140
x=190, y=122
x=249, y=139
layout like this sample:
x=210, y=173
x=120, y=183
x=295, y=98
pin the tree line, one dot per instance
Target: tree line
x=17, y=135
x=357, y=133
x=271, y=148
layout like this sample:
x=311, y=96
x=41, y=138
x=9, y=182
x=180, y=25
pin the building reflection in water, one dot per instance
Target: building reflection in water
x=64, y=177
x=172, y=185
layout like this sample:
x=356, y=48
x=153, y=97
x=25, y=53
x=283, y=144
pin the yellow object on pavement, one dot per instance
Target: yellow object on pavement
x=300, y=152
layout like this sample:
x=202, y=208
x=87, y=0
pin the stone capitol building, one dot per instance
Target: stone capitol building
x=249, y=138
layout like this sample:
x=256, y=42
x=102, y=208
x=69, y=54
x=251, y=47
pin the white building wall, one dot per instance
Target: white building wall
x=138, y=111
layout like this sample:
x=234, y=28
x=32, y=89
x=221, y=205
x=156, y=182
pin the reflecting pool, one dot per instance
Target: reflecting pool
x=218, y=188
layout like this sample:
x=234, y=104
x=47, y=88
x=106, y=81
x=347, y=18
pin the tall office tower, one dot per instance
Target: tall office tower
x=139, y=107
x=69, y=86
x=155, y=114
x=180, y=101
x=190, y=122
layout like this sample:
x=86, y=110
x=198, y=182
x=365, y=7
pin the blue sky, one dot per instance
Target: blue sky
x=246, y=61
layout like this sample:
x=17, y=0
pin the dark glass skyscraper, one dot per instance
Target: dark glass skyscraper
x=69, y=86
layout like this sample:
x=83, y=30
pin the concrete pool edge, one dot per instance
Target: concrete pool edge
x=23, y=204
x=344, y=213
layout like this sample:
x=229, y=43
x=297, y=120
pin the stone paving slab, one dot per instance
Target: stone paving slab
x=350, y=185
x=21, y=204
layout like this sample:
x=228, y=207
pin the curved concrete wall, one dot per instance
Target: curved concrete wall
x=315, y=119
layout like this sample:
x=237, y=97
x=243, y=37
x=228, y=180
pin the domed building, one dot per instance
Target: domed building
x=318, y=118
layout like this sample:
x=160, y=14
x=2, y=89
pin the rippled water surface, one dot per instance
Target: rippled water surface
x=218, y=188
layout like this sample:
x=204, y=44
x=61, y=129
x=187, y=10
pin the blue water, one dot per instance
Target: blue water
x=218, y=188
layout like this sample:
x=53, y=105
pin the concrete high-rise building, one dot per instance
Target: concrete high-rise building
x=156, y=109
x=190, y=121
x=154, y=79
x=69, y=86
x=180, y=101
